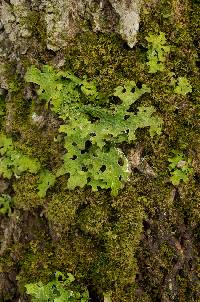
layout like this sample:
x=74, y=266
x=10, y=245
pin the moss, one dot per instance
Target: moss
x=36, y=264
x=94, y=219
x=67, y=208
x=163, y=255
x=16, y=113
x=103, y=58
x=31, y=249
x=13, y=77
x=109, y=260
x=116, y=267
x=33, y=139
x=25, y=196
x=62, y=208
x=166, y=255
x=161, y=10
x=189, y=203
x=41, y=145
x=6, y=263
x=76, y=254
x=36, y=26
x=110, y=263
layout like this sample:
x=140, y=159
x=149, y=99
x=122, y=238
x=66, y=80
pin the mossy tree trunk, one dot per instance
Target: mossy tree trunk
x=142, y=245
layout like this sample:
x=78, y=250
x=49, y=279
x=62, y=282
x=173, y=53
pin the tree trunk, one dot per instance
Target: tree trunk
x=143, y=244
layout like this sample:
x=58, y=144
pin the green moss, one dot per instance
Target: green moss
x=36, y=26
x=16, y=112
x=166, y=256
x=189, y=202
x=102, y=57
x=40, y=143
x=66, y=207
x=62, y=208
x=36, y=264
x=35, y=139
x=76, y=254
x=13, y=77
x=26, y=193
x=119, y=235
x=109, y=261
x=94, y=219
x=6, y=263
